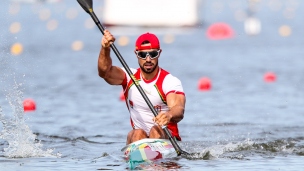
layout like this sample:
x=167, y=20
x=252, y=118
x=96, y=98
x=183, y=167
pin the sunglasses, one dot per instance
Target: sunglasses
x=143, y=55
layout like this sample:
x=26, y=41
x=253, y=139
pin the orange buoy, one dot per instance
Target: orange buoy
x=270, y=77
x=17, y=49
x=29, y=105
x=219, y=31
x=204, y=84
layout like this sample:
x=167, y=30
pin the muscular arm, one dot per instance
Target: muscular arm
x=111, y=74
x=176, y=104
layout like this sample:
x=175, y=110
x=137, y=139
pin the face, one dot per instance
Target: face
x=150, y=63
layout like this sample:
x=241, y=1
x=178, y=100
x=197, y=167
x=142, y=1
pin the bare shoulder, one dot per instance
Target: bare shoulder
x=115, y=76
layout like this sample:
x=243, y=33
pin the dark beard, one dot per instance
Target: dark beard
x=150, y=70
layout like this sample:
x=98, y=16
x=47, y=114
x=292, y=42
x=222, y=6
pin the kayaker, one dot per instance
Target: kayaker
x=163, y=89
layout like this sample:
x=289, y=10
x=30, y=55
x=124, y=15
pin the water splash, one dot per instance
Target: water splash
x=245, y=149
x=22, y=143
x=219, y=150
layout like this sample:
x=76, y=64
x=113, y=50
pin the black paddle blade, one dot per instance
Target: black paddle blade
x=185, y=154
x=87, y=5
x=182, y=153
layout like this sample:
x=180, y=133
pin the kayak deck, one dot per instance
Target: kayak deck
x=148, y=150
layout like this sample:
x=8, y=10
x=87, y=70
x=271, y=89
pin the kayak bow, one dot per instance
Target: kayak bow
x=148, y=150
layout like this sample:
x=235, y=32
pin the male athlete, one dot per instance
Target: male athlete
x=163, y=90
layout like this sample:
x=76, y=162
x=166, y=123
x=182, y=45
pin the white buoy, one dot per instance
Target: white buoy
x=252, y=26
x=15, y=27
x=77, y=45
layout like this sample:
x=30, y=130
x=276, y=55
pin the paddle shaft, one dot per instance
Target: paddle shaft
x=136, y=82
x=87, y=5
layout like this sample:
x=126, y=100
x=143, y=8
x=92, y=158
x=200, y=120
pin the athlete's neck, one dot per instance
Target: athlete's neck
x=150, y=76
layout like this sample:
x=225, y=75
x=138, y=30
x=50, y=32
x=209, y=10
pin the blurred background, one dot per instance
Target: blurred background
x=48, y=34
x=240, y=62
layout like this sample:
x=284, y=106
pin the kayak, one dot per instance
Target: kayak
x=148, y=150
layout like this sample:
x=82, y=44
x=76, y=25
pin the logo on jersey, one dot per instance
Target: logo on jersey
x=157, y=108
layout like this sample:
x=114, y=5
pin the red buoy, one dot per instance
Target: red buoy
x=219, y=31
x=29, y=105
x=204, y=84
x=270, y=77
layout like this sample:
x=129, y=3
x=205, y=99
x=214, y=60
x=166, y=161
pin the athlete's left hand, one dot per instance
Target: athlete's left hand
x=162, y=119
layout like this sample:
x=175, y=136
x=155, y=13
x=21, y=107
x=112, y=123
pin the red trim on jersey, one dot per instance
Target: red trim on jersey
x=159, y=85
x=124, y=82
x=137, y=74
x=130, y=83
x=132, y=124
x=124, y=85
x=176, y=92
x=126, y=89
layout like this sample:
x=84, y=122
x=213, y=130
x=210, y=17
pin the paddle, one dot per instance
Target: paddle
x=87, y=5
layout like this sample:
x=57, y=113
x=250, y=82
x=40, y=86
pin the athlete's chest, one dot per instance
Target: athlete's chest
x=151, y=90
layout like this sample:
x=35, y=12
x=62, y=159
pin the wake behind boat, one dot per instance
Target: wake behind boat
x=148, y=150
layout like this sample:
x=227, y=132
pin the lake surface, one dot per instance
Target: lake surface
x=242, y=123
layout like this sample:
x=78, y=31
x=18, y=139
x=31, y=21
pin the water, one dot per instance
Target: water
x=80, y=123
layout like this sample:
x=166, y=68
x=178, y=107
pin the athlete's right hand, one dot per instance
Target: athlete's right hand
x=107, y=39
x=162, y=119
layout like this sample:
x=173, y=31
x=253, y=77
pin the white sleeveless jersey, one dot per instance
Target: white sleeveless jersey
x=156, y=89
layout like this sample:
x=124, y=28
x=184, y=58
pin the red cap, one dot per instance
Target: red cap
x=147, y=37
